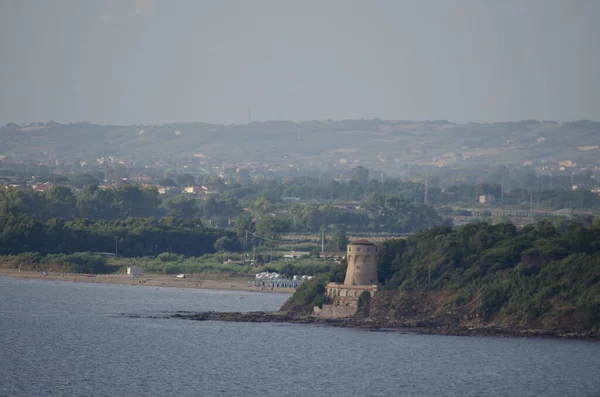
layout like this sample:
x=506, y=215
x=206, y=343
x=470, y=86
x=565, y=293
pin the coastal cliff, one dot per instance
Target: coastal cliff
x=421, y=313
x=480, y=279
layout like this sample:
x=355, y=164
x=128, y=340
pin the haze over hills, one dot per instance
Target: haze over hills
x=386, y=145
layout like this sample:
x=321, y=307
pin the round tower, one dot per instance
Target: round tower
x=361, y=256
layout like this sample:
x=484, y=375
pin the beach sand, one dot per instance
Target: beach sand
x=150, y=280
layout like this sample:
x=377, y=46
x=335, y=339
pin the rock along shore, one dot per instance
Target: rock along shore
x=375, y=324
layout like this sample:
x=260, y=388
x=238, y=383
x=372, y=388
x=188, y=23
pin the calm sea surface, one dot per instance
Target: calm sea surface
x=70, y=339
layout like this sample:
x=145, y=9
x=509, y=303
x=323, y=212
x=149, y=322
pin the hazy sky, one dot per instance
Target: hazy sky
x=160, y=61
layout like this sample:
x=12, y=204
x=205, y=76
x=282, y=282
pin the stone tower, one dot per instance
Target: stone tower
x=361, y=276
x=361, y=256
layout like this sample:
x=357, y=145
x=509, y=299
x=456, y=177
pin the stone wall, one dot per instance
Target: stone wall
x=334, y=311
x=341, y=291
x=344, y=300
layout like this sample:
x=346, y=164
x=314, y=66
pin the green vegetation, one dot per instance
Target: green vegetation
x=169, y=263
x=72, y=263
x=310, y=294
x=272, y=141
x=309, y=267
x=364, y=304
x=541, y=275
x=537, y=273
x=130, y=237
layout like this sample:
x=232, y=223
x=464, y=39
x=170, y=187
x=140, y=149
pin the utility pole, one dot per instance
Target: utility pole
x=116, y=246
x=531, y=204
x=323, y=241
x=502, y=191
x=538, y=191
x=572, y=175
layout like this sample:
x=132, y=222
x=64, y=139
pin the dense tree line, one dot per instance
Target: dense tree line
x=108, y=204
x=546, y=275
x=523, y=274
x=555, y=198
x=128, y=237
x=547, y=192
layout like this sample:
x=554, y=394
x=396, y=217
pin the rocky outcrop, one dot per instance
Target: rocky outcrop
x=440, y=327
x=412, y=312
x=248, y=317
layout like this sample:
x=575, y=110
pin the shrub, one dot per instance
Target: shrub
x=169, y=257
x=364, y=304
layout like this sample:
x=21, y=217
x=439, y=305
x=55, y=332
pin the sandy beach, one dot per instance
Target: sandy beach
x=150, y=280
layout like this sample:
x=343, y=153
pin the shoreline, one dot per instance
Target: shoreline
x=241, y=284
x=198, y=281
x=386, y=326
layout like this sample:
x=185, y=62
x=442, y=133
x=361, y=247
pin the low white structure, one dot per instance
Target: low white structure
x=135, y=271
x=267, y=276
x=295, y=254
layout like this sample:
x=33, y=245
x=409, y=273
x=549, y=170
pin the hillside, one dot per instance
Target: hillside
x=541, y=280
x=384, y=144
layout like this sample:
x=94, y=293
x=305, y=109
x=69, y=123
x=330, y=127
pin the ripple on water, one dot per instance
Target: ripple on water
x=70, y=339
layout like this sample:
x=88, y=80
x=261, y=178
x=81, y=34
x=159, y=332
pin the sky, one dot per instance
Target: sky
x=223, y=61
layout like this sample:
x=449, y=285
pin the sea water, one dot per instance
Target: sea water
x=80, y=339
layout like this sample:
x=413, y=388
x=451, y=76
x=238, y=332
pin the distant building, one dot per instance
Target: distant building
x=295, y=254
x=191, y=190
x=211, y=189
x=135, y=271
x=567, y=163
x=141, y=178
x=42, y=187
x=487, y=199
x=361, y=276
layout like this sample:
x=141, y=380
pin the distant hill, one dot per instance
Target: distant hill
x=387, y=145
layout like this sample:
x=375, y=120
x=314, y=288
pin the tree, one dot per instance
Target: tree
x=81, y=180
x=185, y=180
x=167, y=182
x=96, y=203
x=261, y=206
x=182, y=207
x=244, y=224
x=226, y=244
x=271, y=227
x=61, y=203
x=360, y=175
x=338, y=241
x=135, y=201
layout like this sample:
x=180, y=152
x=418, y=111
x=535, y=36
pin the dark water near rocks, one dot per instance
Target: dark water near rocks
x=70, y=339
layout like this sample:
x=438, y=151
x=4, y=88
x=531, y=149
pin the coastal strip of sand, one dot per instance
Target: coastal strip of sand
x=150, y=280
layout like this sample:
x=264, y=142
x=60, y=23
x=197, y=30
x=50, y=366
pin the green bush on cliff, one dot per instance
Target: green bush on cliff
x=364, y=304
x=526, y=274
x=308, y=295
